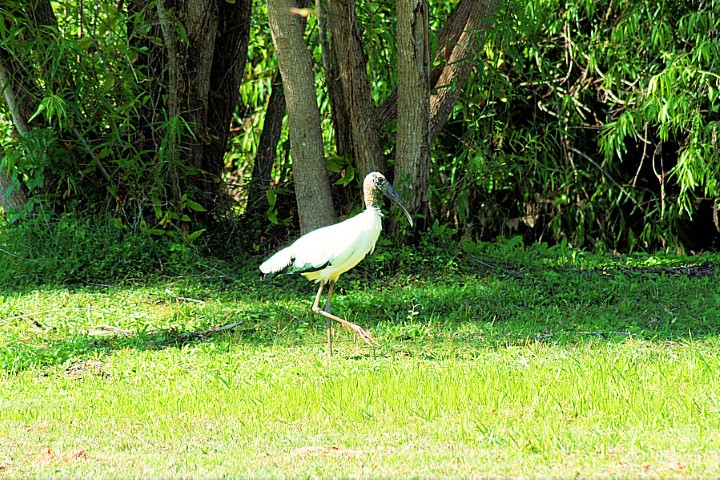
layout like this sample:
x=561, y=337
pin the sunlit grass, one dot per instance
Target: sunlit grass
x=552, y=371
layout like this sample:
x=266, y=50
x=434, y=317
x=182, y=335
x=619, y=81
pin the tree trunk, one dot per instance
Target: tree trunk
x=355, y=86
x=338, y=109
x=42, y=13
x=412, y=165
x=267, y=149
x=21, y=93
x=197, y=84
x=459, y=40
x=201, y=24
x=13, y=199
x=312, y=188
x=11, y=85
x=228, y=67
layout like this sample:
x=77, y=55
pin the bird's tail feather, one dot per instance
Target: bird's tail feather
x=276, y=264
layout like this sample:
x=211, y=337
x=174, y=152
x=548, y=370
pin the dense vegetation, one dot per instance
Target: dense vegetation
x=590, y=122
x=603, y=118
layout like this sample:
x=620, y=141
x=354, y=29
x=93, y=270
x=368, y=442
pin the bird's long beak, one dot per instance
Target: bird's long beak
x=392, y=194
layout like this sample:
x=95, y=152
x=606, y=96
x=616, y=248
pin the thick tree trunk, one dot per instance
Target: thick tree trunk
x=176, y=72
x=338, y=109
x=198, y=79
x=228, y=67
x=42, y=13
x=312, y=188
x=412, y=165
x=201, y=24
x=355, y=86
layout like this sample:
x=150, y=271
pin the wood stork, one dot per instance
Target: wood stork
x=326, y=253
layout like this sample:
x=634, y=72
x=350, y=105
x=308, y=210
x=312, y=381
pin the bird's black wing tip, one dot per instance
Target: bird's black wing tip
x=269, y=276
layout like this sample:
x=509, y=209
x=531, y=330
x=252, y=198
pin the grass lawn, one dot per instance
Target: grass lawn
x=494, y=361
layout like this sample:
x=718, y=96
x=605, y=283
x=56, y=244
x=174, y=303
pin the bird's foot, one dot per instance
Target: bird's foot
x=356, y=328
x=362, y=333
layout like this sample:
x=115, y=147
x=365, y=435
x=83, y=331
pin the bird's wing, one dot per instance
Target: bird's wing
x=301, y=256
x=332, y=245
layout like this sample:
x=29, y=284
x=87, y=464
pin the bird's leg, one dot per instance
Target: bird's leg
x=316, y=309
x=331, y=286
x=356, y=328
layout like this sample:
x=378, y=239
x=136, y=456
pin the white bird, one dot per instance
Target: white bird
x=326, y=253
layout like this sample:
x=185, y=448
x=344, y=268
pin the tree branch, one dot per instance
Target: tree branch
x=12, y=100
x=459, y=39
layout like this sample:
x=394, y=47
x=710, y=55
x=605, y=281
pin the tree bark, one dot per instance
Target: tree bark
x=459, y=40
x=412, y=165
x=463, y=36
x=338, y=108
x=21, y=94
x=197, y=82
x=355, y=86
x=228, y=67
x=23, y=91
x=10, y=83
x=42, y=13
x=13, y=198
x=175, y=89
x=201, y=24
x=267, y=149
x=312, y=188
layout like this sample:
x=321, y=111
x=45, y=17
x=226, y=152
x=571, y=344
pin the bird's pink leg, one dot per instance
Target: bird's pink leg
x=331, y=287
x=316, y=308
x=356, y=328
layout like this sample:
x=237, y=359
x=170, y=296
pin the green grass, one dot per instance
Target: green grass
x=498, y=360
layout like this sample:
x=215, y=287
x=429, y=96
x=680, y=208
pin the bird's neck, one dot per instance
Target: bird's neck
x=373, y=210
x=372, y=197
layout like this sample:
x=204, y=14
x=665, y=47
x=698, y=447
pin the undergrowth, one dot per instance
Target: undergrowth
x=67, y=250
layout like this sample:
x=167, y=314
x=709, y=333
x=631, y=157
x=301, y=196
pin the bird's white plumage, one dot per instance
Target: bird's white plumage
x=330, y=251
x=326, y=253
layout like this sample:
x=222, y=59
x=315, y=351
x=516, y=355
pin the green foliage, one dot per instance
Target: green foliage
x=85, y=153
x=594, y=122
x=67, y=251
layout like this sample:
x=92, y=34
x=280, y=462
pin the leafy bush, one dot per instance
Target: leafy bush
x=87, y=149
x=590, y=122
x=595, y=122
x=67, y=250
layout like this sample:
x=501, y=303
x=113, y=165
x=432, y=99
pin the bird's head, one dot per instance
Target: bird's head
x=376, y=182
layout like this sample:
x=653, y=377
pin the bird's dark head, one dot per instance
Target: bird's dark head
x=376, y=182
